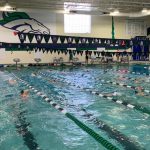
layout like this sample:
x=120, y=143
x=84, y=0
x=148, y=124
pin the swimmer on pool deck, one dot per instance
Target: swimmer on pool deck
x=24, y=93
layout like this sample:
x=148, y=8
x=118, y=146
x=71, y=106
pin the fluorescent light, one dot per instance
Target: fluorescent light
x=144, y=10
x=77, y=6
x=116, y=12
x=7, y=6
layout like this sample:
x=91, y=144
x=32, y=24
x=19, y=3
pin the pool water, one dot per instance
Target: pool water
x=34, y=124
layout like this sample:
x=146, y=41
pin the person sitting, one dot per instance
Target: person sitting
x=24, y=93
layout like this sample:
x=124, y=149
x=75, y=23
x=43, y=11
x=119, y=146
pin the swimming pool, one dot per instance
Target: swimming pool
x=122, y=120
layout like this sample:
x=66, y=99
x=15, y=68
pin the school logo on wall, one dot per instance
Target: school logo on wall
x=22, y=22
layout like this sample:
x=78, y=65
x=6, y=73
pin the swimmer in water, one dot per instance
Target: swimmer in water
x=138, y=80
x=33, y=74
x=139, y=91
x=12, y=81
x=113, y=94
x=24, y=93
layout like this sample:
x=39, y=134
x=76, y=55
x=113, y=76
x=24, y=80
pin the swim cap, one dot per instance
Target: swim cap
x=117, y=94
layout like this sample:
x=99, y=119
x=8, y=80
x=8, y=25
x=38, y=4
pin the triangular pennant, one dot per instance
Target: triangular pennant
x=22, y=37
x=108, y=42
x=69, y=40
x=47, y=50
x=46, y=38
x=90, y=53
x=38, y=37
x=36, y=50
x=141, y=43
x=123, y=43
x=95, y=53
x=77, y=40
x=90, y=40
x=116, y=44
x=54, y=39
x=81, y=53
x=58, y=51
x=74, y=53
x=83, y=40
x=30, y=37
x=43, y=50
x=51, y=51
x=78, y=52
x=111, y=44
x=66, y=52
x=59, y=41
x=96, y=41
x=100, y=41
x=62, y=39
x=98, y=53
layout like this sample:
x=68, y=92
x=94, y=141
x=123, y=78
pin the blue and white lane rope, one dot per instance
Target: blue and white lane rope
x=91, y=132
x=125, y=103
x=112, y=132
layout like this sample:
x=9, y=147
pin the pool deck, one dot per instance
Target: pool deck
x=74, y=64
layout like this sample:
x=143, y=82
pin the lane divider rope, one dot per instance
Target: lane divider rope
x=91, y=132
x=133, y=72
x=112, y=132
x=124, y=85
x=125, y=103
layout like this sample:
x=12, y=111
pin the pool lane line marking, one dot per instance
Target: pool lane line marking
x=112, y=132
x=124, y=85
x=125, y=103
x=28, y=137
x=22, y=128
x=91, y=132
x=127, y=143
x=133, y=72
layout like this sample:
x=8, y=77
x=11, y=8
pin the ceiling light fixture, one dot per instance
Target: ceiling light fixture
x=144, y=10
x=7, y=7
x=115, y=13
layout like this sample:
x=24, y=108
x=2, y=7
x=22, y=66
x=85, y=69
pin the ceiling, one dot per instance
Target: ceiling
x=124, y=6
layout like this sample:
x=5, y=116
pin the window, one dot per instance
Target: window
x=76, y=23
x=135, y=27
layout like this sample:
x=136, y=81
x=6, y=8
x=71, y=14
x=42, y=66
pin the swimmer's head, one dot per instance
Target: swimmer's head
x=117, y=94
x=22, y=91
x=139, y=88
x=10, y=79
x=136, y=92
